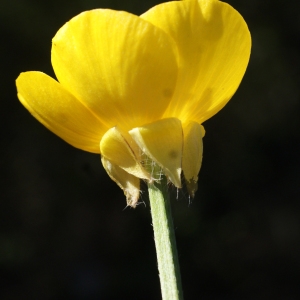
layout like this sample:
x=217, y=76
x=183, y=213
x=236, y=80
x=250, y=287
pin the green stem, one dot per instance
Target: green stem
x=165, y=243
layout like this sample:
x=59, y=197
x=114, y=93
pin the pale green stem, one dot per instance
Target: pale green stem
x=165, y=243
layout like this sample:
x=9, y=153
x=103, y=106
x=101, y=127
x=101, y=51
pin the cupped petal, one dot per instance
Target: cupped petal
x=214, y=48
x=122, y=67
x=60, y=111
x=192, y=154
x=161, y=141
x=127, y=182
x=116, y=149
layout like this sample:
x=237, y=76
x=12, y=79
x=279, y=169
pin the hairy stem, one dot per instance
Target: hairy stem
x=165, y=243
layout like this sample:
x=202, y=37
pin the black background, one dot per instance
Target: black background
x=64, y=232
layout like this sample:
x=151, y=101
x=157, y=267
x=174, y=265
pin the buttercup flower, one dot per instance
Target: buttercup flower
x=137, y=88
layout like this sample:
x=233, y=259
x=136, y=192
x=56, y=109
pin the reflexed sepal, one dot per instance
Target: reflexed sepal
x=165, y=147
x=162, y=142
x=192, y=154
x=127, y=182
x=115, y=148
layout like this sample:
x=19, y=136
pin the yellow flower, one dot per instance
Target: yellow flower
x=137, y=89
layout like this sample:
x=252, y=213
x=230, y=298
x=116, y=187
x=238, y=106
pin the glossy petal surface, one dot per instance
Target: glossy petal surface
x=60, y=111
x=162, y=142
x=214, y=47
x=122, y=67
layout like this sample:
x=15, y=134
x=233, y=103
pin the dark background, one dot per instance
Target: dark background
x=64, y=232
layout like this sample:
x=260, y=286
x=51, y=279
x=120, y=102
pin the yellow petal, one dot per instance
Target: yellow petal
x=116, y=149
x=122, y=67
x=60, y=111
x=127, y=182
x=192, y=154
x=162, y=142
x=214, y=48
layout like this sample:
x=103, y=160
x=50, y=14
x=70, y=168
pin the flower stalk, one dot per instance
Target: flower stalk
x=165, y=242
